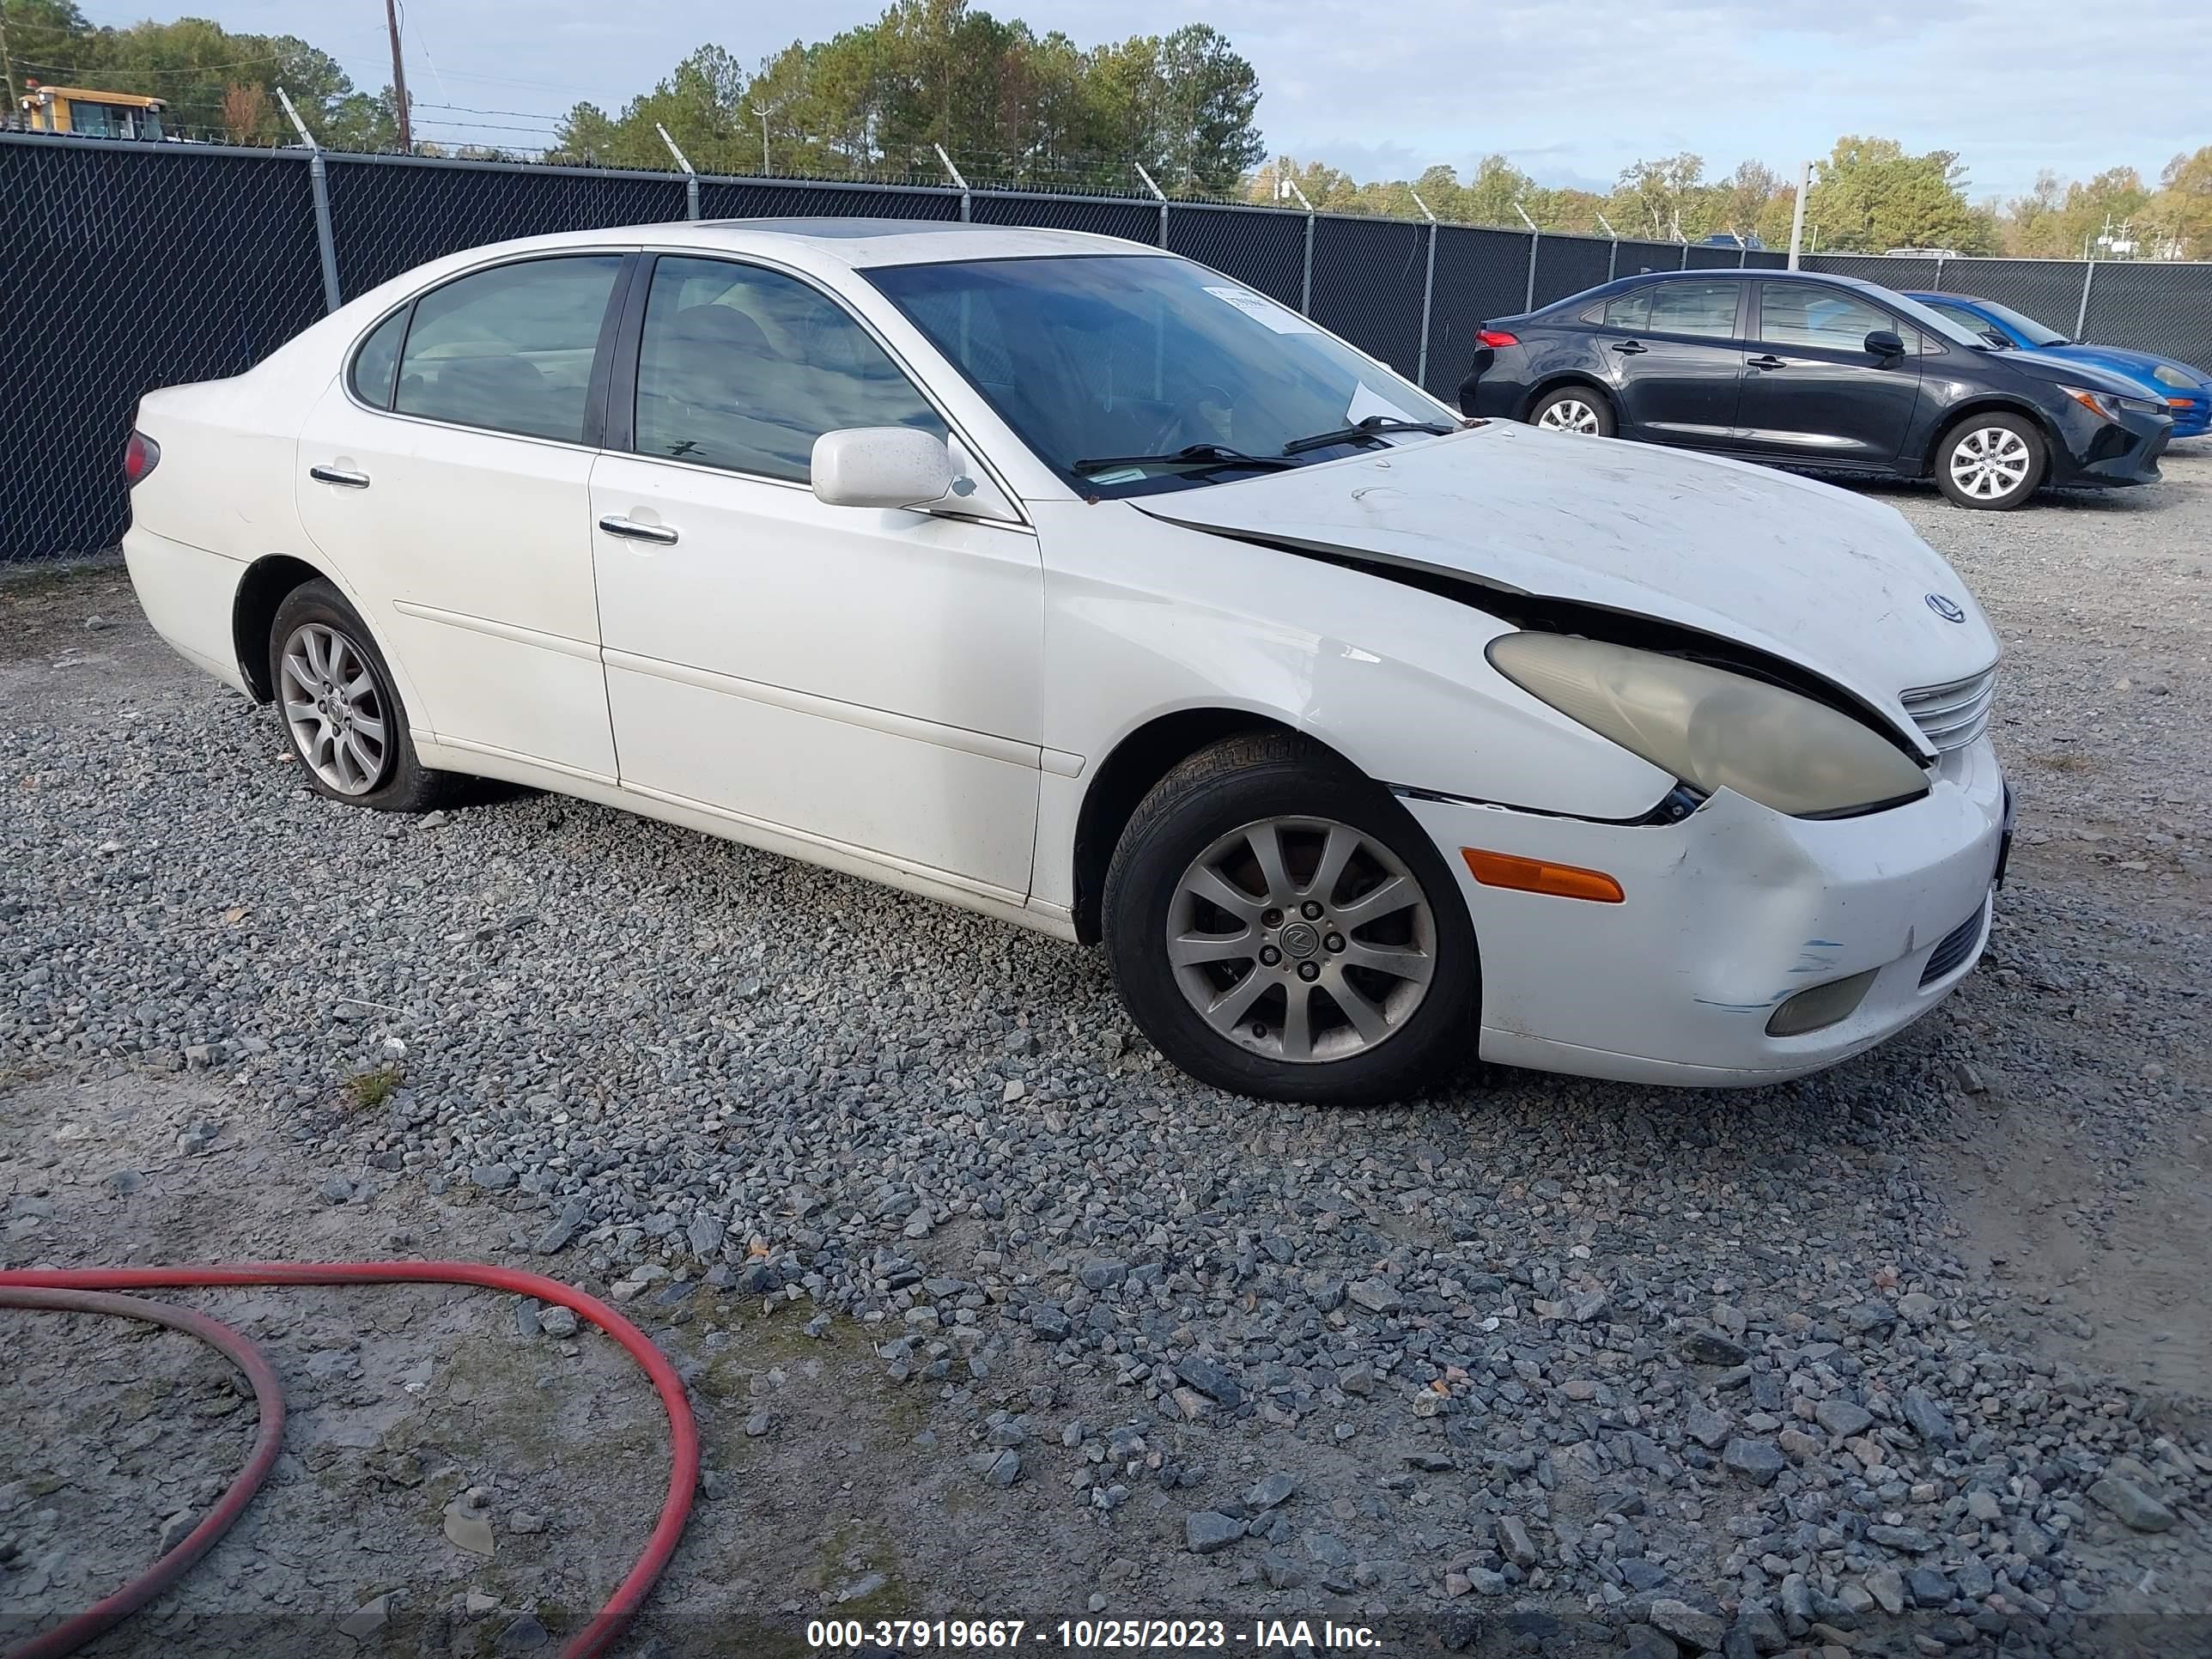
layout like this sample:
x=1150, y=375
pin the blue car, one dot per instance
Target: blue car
x=2186, y=390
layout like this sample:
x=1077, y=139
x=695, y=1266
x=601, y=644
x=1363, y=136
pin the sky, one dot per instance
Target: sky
x=1571, y=90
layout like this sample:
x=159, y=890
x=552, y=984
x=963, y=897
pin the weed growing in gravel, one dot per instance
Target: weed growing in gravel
x=369, y=1090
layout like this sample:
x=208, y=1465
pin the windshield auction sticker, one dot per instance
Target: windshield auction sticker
x=1262, y=310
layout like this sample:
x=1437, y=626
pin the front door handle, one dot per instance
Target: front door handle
x=1767, y=360
x=630, y=530
x=338, y=475
x=1629, y=348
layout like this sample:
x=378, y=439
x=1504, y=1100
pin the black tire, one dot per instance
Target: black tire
x=1600, y=408
x=1240, y=781
x=1972, y=429
x=399, y=782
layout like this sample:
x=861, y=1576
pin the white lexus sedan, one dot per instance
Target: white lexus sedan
x=1066, y=579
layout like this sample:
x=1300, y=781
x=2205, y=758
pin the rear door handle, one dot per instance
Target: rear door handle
x=1767, y=360
x=1629, y=348
x=338, y=475
x=630, y=530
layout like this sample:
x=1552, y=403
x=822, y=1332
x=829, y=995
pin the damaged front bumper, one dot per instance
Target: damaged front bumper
x=1726, y=915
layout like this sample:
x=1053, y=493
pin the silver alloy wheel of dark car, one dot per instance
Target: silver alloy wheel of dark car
x=1302, y=938
x=333, y=706
x=1989, y=463
x=1570, y=414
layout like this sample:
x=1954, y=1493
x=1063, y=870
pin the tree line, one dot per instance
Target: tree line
x=1012, y=105
x=1869, y=195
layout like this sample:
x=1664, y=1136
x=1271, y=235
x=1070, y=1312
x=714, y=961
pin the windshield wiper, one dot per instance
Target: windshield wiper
x=1366, y=429
x=1197, y=454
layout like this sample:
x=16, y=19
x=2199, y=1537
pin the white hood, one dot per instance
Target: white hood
x=1831, y=581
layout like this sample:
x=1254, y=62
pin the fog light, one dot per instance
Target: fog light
x=1821, y=1007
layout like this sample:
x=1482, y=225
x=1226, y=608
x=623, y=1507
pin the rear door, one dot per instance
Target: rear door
x=446, y=475
x=1675, y=353
x=1813, y=391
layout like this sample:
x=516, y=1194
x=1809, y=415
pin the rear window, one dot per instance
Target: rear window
x=1631, y=312
x=1704, y=309
x=376, y=365
x=510, y=349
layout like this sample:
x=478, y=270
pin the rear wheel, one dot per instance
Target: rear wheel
x=1574, y=409
x=1280, y=926
x=1993, y=462
x=343, y=720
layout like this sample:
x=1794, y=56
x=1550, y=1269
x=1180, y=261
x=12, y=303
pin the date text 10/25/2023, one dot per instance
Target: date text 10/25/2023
x=1090, y=1635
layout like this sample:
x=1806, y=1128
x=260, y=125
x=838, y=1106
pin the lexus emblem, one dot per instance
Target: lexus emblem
x=1948, y=609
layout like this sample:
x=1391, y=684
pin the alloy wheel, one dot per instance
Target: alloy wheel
x=334, y=709
x=1302, y=938
x=1989, y=463
x=1569, y=415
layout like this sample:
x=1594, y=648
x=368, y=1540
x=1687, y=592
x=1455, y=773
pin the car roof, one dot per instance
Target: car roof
x=856, y=242
x=1744, y=273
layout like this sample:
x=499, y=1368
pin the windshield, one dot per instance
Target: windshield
x=1107, y=365
x=2025, y=327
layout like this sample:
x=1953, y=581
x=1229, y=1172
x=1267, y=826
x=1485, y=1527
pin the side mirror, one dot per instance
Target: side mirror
x=1882, y=342
x=881, y=466
x=1997, y=342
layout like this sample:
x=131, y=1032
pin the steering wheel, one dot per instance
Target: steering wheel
x=1171, y=436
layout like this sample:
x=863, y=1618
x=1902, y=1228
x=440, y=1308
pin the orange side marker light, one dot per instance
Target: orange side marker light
x=1535, y=875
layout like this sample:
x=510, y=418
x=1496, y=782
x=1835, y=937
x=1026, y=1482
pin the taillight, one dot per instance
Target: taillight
x=140, y=456
x=1497, y=339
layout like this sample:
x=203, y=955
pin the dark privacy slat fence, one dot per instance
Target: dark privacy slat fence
x=127, y=266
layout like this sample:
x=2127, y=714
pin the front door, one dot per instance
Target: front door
x=862, y=678
x=1813, y=391
x=447, y=476
x=1676, y=353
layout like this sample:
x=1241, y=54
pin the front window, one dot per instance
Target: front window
x=1109, y=365
x=1824, y=319
x=744, y=368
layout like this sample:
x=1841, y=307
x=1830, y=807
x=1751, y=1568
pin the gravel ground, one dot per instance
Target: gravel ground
x=1905, y=1358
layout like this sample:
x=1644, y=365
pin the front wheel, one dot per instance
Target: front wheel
x=1281, y=928
x=1993, y=462
x=1574, y=409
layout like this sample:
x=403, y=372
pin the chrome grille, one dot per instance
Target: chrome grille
x=1953, y=716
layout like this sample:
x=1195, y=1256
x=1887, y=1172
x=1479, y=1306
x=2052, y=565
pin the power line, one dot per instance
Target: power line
x=488, y=126
x=467, y=109
x=129, y=73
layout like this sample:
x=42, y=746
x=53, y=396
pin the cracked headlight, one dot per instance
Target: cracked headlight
x=1713, y=729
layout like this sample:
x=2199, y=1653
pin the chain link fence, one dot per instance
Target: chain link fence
x=126, y=266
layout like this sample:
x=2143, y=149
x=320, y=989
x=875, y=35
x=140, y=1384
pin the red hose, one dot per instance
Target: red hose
x=66, y=1289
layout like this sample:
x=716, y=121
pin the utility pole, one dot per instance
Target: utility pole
x=765, y=172
x=1797, y=214
x=399, y=78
